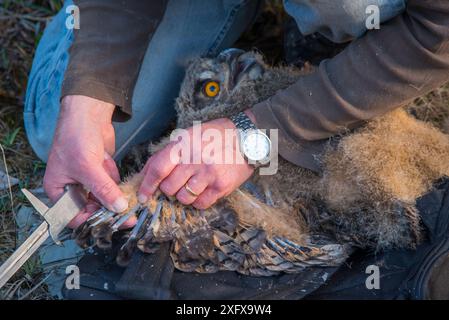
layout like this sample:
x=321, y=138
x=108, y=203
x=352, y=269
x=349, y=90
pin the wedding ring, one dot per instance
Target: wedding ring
x=189, y=190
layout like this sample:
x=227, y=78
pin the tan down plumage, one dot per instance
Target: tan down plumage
x=365, y=195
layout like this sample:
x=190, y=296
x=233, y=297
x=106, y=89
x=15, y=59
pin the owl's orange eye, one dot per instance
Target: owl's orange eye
x=211, y=89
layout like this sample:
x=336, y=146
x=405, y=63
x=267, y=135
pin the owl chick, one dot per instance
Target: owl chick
x=363, y=197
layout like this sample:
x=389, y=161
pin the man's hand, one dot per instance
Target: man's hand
x=81, y=153
x=209, y=179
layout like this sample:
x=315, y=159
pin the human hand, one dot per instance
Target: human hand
x=81, y=153
x=171, y=171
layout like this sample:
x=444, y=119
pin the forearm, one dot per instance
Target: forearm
x=86, y=107
x=82, y=113
x=406, y=58
x=108, y=49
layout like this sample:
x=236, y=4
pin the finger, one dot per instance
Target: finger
x=197, y=183
x=103, y=187
x=54, y=185
x=206, y=199
x=158, y=167
x=111, y=168
x=176, y=180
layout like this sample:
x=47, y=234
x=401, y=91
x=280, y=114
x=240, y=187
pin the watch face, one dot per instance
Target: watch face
x=256, y=145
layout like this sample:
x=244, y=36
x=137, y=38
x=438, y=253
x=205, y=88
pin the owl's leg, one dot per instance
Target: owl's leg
x=100, y=227
x=279, y=220
x=158, y=220
x=127, y=249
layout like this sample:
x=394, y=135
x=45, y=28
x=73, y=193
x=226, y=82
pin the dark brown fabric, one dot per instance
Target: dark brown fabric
x=438, y=287
x=108, y=49
x=406, y=58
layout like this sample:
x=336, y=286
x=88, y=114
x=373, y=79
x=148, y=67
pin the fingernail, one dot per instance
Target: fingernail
x=120, y=205
x=142, y=198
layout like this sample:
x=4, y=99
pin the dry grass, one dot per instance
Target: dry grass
x=22, y=23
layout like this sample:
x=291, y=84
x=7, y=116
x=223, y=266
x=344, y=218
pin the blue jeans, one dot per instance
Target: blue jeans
x=181, y=35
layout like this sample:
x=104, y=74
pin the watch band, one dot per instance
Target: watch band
x=243, y=122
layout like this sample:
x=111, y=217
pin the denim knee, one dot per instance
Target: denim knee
x=189, y=29
x=42, y=101
x=339, y=21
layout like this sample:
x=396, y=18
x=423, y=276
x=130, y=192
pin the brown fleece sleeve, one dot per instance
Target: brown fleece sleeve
x=406, y=58
x=108, y=49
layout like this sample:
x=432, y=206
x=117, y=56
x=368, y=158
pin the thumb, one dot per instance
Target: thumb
x=111, y=168
x=104, y=188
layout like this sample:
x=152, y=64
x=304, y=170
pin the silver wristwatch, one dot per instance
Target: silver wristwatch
x=255, y=145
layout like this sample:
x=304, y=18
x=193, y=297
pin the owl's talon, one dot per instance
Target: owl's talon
x=125, y=217
x=126, y=251
x=103, y=218
x=82, y=233
x=97, y=214
x=155, y=217
x=142, y=244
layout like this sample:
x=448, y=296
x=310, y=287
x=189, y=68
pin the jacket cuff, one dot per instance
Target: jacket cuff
x=299, y=152
x=102, y=91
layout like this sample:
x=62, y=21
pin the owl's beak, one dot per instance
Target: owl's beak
x=230, y=54
x=243, y=65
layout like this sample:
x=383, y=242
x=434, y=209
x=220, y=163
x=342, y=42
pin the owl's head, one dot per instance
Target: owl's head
x=211, y=83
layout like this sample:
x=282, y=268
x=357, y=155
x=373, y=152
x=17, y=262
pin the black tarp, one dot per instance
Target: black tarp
x=403, y=273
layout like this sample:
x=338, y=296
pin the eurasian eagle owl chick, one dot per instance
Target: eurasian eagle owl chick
x=364, y=196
